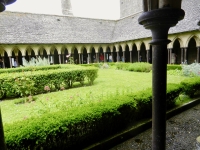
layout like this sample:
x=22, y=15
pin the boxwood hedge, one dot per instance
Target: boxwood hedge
x=77, y=127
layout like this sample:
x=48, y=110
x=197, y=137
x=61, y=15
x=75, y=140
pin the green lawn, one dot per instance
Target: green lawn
x=109, y=81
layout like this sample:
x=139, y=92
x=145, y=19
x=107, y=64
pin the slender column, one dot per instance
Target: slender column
x=63, y=58
x=3, y=62
x=117, y=56
x=82, y=58
x=112, y=57
x=17, y=60
x=104, y=53
x=147, y=56
x=170, y=53
x=159, y=21
x=182, y=54
x=79, y=58
x=97, y=58
x=29, y=57
x=198, y=48
x=59, y=58
x=131, y=57
x=88, y=58
x=124, y=56
x=10, y=59
x=185, y=54
x=138, y=56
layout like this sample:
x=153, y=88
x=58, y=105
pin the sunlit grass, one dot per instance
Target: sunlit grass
x=109, y=82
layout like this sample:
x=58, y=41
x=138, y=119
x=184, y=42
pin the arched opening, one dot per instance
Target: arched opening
x=65, y=53
x=16, y=58
x=192, y=51
x=176, y=52
x=134, y=54
x=143, y=55
x=127, y=54
x=121, y=54
x=114, y=54
x=6, y=60
x=76, y=56
x=101, y=55
x=84, y=57
x=55, y=57
x=93, y=55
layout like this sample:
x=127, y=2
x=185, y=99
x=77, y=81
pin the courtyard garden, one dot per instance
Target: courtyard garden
x=62, y=106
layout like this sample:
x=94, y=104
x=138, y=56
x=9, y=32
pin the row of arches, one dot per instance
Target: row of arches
x=130, y=51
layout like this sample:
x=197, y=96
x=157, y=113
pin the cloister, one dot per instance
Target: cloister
x=27, y=35
x=186, y=47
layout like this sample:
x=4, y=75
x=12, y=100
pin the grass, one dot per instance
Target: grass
x=109, y=82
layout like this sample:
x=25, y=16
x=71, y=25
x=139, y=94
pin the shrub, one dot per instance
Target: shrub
x=191, y=86
x=36, y=62
x=140, y=67
x=78, y=126
x=174, y=67
x=29, y=83
x=191, y=70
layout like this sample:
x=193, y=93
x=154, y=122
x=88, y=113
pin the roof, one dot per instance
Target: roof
x=27, y=28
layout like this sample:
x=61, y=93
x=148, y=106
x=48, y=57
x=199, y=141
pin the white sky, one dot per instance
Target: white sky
x=104, y=9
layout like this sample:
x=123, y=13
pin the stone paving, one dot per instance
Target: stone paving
x=182, y=131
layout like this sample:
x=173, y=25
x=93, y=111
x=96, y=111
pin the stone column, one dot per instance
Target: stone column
x=138, y=55
x=117, y=56
x=124, y=56
x=185, y=55
x=17, y=60
x=104, y=53
x=10, y=59
x=59, y=58
x=170, y=55
x=79, y=58
x=198, y=48
x=112, y=57
x=182, y=55
x=88, y=58
x=147, y=56
x=159, y=21
x=97, y=58
x=3, y=62
x=63, y=58
x=131, y=57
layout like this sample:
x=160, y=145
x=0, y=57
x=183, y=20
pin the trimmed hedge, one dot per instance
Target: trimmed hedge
x=174, y=67
x=31, y=83
x=77, y=127
x=191, y=86
x=24, y=69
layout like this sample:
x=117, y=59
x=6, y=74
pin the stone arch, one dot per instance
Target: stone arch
x=127, y=53
x=196, y=38
x=42, y=52
x=191, y=55
x=176, y=50
x=134, y=53
x=142, y=53
x=179, y=40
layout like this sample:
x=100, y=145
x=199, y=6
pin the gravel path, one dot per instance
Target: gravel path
x=182, y=131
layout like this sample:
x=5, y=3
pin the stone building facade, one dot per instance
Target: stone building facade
x=31, y=35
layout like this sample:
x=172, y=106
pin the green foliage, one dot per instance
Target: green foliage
x=83, y=123
x=175, y=72
x=136, y=67
x=191, y=86
x=191, y=70
x=174, y=67
x=140, y=67
x=30, y=83
x=36, y=62
x=32, y=68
